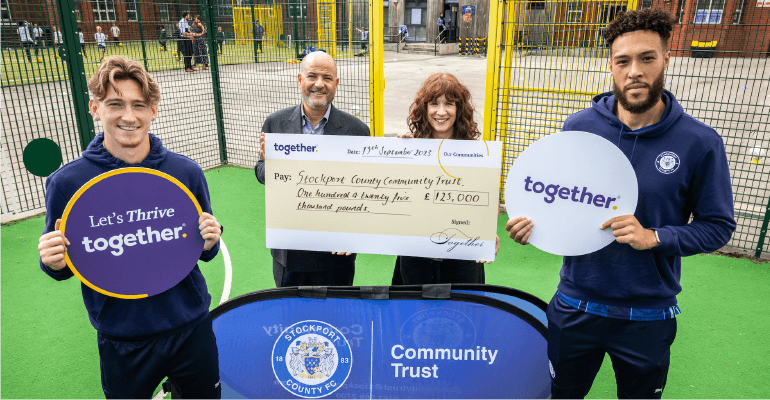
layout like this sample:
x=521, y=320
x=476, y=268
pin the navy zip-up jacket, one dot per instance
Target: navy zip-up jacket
x=682, y=170
x=176, y=309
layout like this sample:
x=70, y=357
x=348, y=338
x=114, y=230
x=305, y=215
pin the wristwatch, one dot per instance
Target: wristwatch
x=656, y=236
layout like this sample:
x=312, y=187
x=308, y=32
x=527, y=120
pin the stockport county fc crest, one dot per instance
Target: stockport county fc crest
x=311, y=359
x=667, y=162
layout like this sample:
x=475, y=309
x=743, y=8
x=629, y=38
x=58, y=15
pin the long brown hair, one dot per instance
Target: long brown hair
x=446, y=84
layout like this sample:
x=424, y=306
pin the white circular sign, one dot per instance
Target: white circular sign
x=569, y=184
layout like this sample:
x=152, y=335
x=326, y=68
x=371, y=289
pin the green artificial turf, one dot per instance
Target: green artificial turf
x=48, y=347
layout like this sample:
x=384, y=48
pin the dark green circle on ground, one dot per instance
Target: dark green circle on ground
x=42, y=157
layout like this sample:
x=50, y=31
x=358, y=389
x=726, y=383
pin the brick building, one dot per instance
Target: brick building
x=738, y=27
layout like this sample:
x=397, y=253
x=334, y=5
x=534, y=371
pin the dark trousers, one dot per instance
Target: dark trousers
x=38, y=44
x=26, y=46
x=424, y=271
x=163, y=44
x=342, y=276
x=190, y=359
x=221, y=44
x=185, y=45
x=259, y=45
x=578, y=341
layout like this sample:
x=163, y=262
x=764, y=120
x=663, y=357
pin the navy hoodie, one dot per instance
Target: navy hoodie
x=176, y=309
x=697, y=184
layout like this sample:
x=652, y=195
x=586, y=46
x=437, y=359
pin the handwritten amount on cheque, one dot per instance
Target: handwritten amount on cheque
x=382, y=191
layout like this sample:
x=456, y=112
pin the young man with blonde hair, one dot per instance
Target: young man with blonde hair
x=170, y=334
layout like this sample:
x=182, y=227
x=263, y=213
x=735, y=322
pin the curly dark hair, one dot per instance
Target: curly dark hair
x=435, y=86
x=652, y=19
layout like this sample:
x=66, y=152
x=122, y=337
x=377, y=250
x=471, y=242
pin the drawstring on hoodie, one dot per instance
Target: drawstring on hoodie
x=620, y=136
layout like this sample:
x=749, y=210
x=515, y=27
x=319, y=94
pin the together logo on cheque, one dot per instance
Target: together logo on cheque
x=312, y=359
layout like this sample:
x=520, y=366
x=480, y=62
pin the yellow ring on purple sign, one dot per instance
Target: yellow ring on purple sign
x=99, y=178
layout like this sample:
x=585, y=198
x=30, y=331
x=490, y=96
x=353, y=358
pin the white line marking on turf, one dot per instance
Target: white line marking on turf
x=228, y=272
x=225, y=294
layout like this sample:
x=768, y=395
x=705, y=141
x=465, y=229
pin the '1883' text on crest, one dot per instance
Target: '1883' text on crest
x=311, y=359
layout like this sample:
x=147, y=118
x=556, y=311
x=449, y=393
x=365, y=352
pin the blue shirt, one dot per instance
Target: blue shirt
x=307, y=126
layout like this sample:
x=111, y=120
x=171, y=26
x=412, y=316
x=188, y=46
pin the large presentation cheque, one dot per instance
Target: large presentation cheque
x=412, y=197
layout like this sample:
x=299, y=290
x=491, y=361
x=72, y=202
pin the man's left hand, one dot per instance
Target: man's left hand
x=210, y=230
x=628, y=230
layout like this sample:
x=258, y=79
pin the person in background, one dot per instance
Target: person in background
x=200, y=48
x=25, y=38
x=162, y=38
x=442, y=109
x=101, y=42
x=185, y=44
x=115, y=31
x=364, y=38
x=259, y=36
x=82, y=42
x=58, y=39
x=441, y=27
x=220, y=37
x=403, y=32
x=37, y=33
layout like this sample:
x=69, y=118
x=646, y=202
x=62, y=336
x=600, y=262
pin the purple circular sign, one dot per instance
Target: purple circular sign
x=133, y=232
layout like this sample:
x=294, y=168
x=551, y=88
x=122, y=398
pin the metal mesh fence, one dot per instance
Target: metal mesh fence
x=554, y=61
x=244, y=71
x=37, y=100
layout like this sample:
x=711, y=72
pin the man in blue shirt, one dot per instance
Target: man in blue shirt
x=314, y=116
x=621, y=300
x=185, y=42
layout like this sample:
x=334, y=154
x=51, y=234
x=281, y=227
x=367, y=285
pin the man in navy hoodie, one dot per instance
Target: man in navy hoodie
x=140, y=341
x=622, y=299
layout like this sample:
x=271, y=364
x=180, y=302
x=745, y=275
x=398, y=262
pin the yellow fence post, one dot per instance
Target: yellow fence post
x=494, y=52
x=327, y=22
x=376, y=79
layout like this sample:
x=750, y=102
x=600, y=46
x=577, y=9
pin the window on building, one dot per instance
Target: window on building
x=646, y=4
x=681, y=10
x=709, y=11
x=5, y=12
x=163, y=12
x=131, y=13
x=574, y=11
x=536, y=5
x=104, y=10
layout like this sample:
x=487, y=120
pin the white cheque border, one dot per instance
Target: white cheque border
x=379, y=150
x=416, y=246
